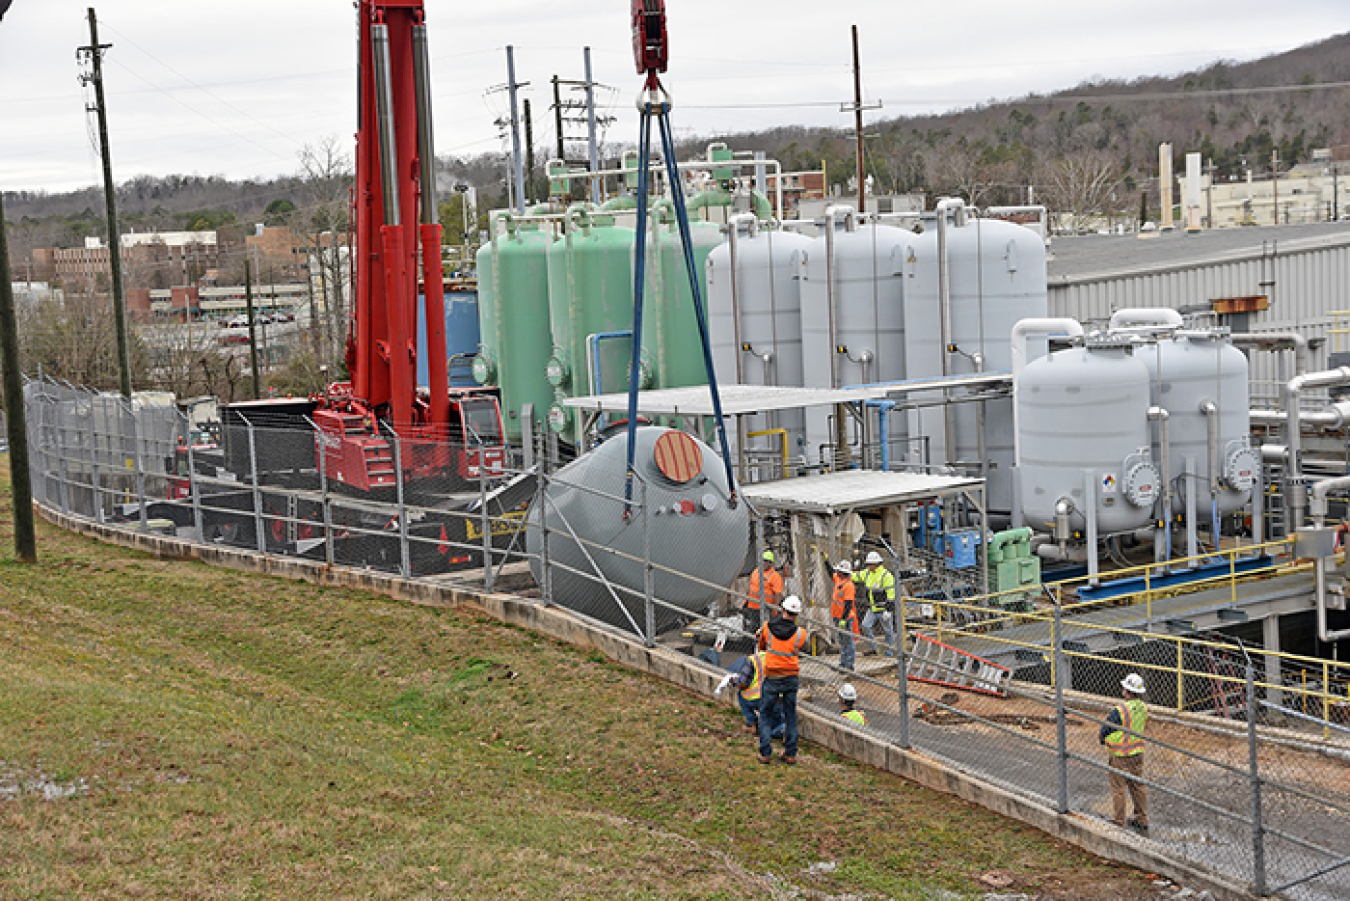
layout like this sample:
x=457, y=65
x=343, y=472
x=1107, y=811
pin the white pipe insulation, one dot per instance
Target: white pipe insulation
x=1295, y=500
x=1320, y=490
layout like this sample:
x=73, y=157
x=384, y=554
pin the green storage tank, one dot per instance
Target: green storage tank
x=513, y=319
x=590, y=292
x=671, y=338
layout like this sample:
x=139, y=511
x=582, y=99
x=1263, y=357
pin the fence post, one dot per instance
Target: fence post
x=1061, y=737
x=323, y=495
x=1258, y=826
x=95, y=478
x=260, y=537
x=140, y=468
x=404, y=558
x=486, y=524
x=902, y=681
x=63, y=481
x=647, y=596
x=759, y=564
x=541, y=501
x=193, y=489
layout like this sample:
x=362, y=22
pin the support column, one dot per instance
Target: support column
x=1270, y=639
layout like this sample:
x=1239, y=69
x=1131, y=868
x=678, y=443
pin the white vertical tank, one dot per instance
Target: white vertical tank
x=996, y=276
x=768, y=300
x=1200, y=378
x=868, y=343
x=1082, y=417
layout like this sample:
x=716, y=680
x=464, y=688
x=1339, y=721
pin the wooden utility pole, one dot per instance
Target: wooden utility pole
x=529, y=153
x=857, y=107
x=252, y=330
x=94, y=52
x=16, y=423
x=858, y=124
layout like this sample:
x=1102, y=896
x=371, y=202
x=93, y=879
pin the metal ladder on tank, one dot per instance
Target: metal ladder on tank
x=939, y=663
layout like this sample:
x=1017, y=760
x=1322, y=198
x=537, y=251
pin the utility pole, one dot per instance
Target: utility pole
x=857, y=107
x=529, y=153
x=16, y=423
x=252, y=331
x=590, y=124
x=512, y=88
x=558, y=119
x=1335, y=195
x=94, y=53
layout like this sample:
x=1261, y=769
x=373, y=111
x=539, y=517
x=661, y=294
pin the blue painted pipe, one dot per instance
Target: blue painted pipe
x=884, y=408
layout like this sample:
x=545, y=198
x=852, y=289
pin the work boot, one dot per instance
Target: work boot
x=789, y=760
x=762, y=759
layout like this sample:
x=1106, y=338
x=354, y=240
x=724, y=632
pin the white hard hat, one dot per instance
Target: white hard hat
x=792, y=604
x=1133, y=683
x=872, y=557
x=843, y=566
x=847, y=692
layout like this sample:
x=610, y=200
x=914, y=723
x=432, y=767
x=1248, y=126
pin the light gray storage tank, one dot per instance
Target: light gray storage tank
x=693, y=529
x=997, y=276
x=1082, y=417
x=1200, y=378
x=868, y=294
x=765, y=313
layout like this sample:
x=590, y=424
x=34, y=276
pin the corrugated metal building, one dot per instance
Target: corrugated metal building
x=1302, y=271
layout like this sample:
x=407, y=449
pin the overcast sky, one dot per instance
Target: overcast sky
x=238, y=87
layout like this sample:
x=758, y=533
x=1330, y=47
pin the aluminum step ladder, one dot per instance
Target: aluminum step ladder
x=933, y=661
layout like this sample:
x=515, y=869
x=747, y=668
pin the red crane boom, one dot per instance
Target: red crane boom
x=395, y=219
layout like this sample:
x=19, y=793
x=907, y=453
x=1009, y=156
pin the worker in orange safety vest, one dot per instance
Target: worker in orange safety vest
x=844, y=613
x=781, y=640
x=766, y=588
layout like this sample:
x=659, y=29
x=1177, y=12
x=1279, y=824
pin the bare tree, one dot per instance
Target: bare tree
x=324, y=217
x=1082, y=185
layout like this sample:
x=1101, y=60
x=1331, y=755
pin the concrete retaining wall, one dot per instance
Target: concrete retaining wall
x=831, y=732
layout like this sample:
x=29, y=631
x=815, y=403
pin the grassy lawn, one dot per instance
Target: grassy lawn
x=168, y=730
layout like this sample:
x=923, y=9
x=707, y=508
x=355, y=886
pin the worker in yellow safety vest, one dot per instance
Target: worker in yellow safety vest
x=747, y=675
x=1123, y=736
x=848, y=699
x=878, y=593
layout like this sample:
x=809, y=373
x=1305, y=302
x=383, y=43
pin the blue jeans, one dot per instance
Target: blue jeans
x=780, y=689
x=847, y=648
x=750, y=710
x=887, y=621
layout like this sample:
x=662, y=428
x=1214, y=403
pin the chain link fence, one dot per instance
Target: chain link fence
x=1246, y=751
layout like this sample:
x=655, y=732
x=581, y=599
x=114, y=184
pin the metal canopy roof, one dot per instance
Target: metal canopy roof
x=833, y=493
x=742, y=400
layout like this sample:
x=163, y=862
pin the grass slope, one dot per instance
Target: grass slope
x=168, y=730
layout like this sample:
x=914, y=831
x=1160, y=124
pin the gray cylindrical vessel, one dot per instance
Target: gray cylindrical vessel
x=997, y=277
x=693, y=529
x=867, y=344
x=768, y=299
x=1083, y=419
x=1200, y=378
